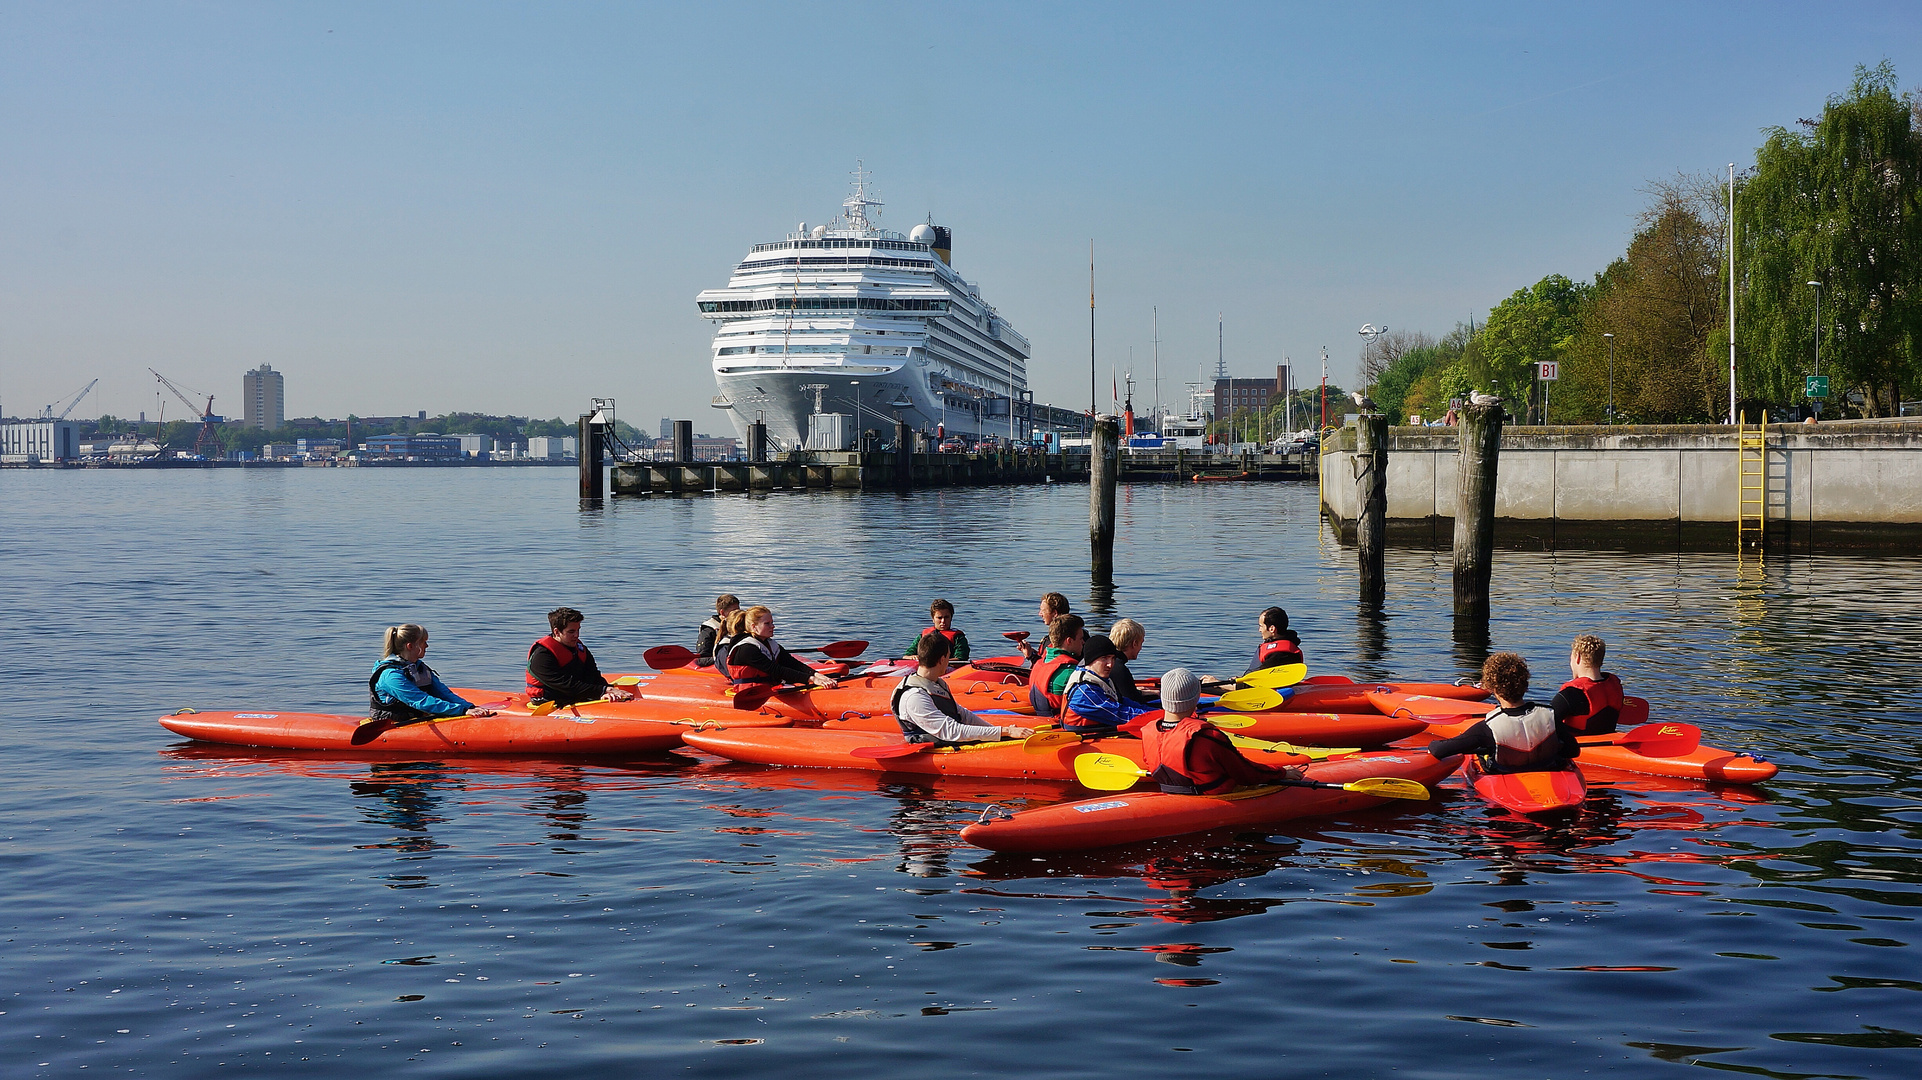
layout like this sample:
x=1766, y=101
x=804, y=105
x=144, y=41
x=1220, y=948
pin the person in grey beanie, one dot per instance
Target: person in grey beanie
x=1186, y=755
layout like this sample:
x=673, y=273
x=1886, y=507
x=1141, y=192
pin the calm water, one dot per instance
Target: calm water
x=173, y=909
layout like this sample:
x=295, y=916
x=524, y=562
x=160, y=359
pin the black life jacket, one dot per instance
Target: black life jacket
x=722, y=646
x=1604, y=697
x=396, y=710
x=707, y=637
x=943, y=700
x=1525, y=743
x=742, y=674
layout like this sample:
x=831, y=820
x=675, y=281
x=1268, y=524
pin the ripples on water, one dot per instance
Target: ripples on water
x=173, y=909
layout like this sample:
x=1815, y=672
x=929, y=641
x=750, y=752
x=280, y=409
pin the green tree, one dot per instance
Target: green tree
x=1839, y=203
x=1534, y=325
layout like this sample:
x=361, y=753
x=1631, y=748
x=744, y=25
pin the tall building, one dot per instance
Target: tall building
x=1234, y=395
x=264, y=394
x=667, y=428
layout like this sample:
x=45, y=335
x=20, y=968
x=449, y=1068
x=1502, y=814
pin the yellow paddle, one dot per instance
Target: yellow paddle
x=1112, y=772
x=1252, y=699
x=1274, y=678
x=1316, y=752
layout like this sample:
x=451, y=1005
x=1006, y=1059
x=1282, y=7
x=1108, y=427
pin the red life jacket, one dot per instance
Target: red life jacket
x=1045, y=701
x=1164, y=753
x=1276, y=653
x=949, y=634
x=562, y=655
x=1604, y=704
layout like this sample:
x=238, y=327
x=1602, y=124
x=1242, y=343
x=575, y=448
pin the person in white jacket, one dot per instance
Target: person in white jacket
x=925, y=707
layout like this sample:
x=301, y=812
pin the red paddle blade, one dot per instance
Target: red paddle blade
x=668, y=657
x=749, y=698
x=891, y=751
x=1662, y=740
x=1015, y=635
x=843, y=650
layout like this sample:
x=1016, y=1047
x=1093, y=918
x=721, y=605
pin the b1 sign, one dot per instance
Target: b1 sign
x=1549, y=370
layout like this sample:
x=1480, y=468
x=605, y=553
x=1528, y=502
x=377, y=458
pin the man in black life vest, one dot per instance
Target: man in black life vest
x=1591, y=702
x=926, y=710
x=941, y=615
x=561, y=670
x=1186, y=755
x=1520, y=736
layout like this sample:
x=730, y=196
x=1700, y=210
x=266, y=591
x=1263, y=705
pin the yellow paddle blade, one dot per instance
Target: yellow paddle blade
x=1106, y=772
x=1253, y=699
x=1274, y=678
x=1388, y=787
x=1043, y=741
x=628, y=681
x=542, y=708
x=1316, y=752
x=1229, y=722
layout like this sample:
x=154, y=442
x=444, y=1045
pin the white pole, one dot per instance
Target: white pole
x=1731, y=293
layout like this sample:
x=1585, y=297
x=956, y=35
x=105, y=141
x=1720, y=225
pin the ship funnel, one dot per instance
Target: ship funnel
x=944, y=244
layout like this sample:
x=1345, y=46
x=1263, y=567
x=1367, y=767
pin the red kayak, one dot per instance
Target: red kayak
x=1704, y=762
x=1007, y=758
x=560, y=732
x=1543, y=791
x=1427, y=706
x=1136, y=816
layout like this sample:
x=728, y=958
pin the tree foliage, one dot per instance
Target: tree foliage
x=1534, y=325
x=1839, y=202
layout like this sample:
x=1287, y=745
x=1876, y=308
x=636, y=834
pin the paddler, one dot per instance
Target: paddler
x=1186, y=755
x=758, y=658
x=1092, y=705
x=710, y=631
x=927, y=711
x=733, y=629
x=1128, y=637
x=403, y=688
x=1053, y=606
x=1048, y=679
x=1279, y=645
x=1519, y=735
x=941, y=616
x=560, y=669
x=1591, y=702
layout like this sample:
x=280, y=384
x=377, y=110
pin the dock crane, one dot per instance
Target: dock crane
x=207, y=443
x=48, y=413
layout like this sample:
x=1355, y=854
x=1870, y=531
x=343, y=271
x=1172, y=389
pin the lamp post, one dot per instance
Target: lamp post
x=1611, y=376
x=1817, y=329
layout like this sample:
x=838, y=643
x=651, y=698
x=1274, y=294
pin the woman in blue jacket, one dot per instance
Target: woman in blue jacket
x=403, y=688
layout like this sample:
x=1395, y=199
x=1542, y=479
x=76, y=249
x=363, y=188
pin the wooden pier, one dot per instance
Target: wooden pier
x=878, y=470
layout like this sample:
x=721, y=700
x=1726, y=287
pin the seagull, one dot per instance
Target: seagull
x=1476, y=397
x=1367, y=403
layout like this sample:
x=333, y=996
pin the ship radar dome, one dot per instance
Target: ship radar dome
x=819, y=231
x=922, y=234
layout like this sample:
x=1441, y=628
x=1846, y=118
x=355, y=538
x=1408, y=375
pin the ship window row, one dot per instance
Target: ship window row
x=824, y=303
x=775, y=350
x=833, y=260
x=853, y=242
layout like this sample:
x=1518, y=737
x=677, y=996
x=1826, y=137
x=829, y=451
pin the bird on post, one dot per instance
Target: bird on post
x=1366, y=403
x=1478, y=398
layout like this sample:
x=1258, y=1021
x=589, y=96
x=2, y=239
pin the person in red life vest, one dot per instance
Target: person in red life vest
x=1048, y=679
x=1186, y=755
x=724, y=605
x=1279, y=645
x=758, y=658
x=925, y=707
x=941, y=614
x=1053, y=606
x=561, y=670
x=1128, y=637
x=1520, y=735
x=1591, y=702
x=1092, y=705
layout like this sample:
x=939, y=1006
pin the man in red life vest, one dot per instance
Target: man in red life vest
x=1591, y=702
x=941, y=614
x=1048, y=679
x=1186, y=755
x=1520, y=736
x=1279, y=645
x=561, y=670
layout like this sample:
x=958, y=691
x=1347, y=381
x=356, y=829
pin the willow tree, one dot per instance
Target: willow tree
x=1840, y=203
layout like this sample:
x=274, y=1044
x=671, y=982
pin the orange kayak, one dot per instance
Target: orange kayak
x=1705, y=762
x=1326, y=695
x=1543, y=791
x=1008, y=758
x=1306, y=729
x=640, y=708
x=857, y=694
x=557, y=733
x=1132, y=817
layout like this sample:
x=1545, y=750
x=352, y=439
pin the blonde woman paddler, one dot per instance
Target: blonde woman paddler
x=403, y=688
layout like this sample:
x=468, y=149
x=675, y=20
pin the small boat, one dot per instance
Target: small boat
x=1325, y=694
x=1132, y=817
x=560, y=732
x=1427, y=706
x=1616, y=751
x=857, y=693
x=1203, y=477
x=1543, y=791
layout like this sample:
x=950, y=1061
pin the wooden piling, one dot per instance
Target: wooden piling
x=1371, y=484
x=1481, y=443
x=1104, y=467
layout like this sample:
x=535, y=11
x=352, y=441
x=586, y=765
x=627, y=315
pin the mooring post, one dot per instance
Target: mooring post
x=591, y=436
x=903, y=455
x=684, y=441
x=757, y=442
x=1104, y=466
x=1481, y=443
x=1371, y=490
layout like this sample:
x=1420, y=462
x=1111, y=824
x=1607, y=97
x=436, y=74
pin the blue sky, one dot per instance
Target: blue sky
x=509, y=208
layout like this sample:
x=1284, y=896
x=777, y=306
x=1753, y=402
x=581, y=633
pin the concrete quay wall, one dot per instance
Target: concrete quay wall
x=1855, y=483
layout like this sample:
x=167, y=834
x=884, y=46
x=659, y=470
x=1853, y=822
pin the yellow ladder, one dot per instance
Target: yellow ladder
x=1751, y=454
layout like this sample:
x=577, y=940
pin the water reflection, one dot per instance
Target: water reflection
x=1371, y=643
x=1471, y=641
x=405, y=797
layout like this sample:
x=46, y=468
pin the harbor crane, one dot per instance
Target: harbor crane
x=207, y=443
x=48, y=413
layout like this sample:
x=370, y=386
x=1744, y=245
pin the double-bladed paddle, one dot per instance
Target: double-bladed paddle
x=668, y=657
x=1251, y=699
x=1316, y=752
x=1039, y=742
x=839, y=650
x=368, y=730
x=1111, y=772
x=1275, y=678
x=1658, y=740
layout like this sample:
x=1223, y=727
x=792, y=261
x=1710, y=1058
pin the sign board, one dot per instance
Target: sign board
x=1818, y=387
x=1550, y=370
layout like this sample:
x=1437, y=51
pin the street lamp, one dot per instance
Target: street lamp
x=1611, y=377
x=1817, y=329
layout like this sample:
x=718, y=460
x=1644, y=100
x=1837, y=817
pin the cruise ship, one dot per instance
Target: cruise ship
x=848, y=327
